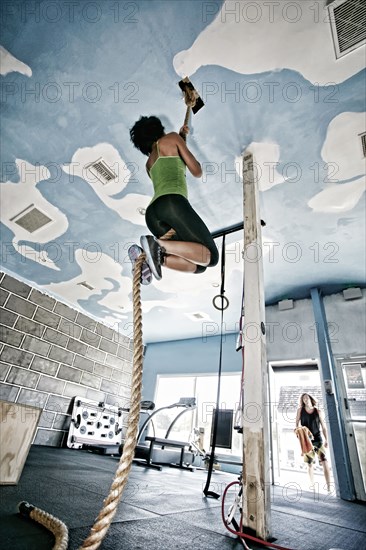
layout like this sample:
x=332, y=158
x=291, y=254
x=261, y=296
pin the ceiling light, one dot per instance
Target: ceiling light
x=285, y=304
x=86, y=285
x=352, y=293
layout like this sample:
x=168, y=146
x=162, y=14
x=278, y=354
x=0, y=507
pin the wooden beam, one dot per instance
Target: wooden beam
x=256, y=478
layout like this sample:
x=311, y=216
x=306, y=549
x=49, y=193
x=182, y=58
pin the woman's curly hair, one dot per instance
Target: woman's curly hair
x=145, y=132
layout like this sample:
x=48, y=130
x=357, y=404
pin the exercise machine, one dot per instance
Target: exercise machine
x=164, y=450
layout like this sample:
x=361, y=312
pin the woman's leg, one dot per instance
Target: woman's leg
x=194, y=253
x=179, y=264
x=311, y=473
x=326, y=472
x=191, y=238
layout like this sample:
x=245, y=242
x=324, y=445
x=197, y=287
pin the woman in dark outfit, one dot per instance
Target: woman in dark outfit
x=192, y=248
x=311, y=417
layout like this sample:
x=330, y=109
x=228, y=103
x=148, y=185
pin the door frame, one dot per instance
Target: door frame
x=313, y=364
x=358, y=478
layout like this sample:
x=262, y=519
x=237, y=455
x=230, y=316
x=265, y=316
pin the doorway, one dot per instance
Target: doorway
x=287, y=381
x=351, y=376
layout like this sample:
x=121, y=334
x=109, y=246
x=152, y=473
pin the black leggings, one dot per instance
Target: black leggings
x=175, y=212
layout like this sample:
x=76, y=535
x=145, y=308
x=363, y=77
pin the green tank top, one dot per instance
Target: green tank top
x=168, y=175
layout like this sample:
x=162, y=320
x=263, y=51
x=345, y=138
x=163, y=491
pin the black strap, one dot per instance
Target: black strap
x=222, y=290
x=206, y=490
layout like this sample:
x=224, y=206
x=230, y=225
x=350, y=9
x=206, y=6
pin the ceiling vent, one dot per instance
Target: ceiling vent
x=31, y=219
x=363, y=143
x=102, y=171
x=348, y=22
x=198, y=316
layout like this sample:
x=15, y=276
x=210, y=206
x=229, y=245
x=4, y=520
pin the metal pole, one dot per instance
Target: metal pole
x=338, y=448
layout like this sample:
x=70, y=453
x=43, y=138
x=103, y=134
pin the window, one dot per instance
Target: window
x=204, y=388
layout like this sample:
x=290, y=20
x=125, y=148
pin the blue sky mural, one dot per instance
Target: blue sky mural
x=76, y=76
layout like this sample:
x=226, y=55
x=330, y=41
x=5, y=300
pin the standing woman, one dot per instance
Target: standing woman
x=191, y=248
x=311, y=417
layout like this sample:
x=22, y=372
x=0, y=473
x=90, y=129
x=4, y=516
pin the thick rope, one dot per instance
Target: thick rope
x=104, y=519
x=53, y=524
x=168, y=235
x=186, y=118
x=190, y=98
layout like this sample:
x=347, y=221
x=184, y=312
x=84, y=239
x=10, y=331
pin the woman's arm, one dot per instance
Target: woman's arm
x=324, y=428
x=190, y=160
x=298, y=415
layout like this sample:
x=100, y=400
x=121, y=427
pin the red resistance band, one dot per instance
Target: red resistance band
x=244, y=535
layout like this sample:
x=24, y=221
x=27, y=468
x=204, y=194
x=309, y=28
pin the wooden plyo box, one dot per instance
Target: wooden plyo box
x=18, y=424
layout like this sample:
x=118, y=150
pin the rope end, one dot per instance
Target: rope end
x=25, y=509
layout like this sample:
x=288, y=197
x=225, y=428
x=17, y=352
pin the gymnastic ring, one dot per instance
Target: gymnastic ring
x=224, y=300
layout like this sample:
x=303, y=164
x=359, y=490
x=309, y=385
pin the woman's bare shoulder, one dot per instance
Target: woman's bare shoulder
x=168, y=144
x=172, y=136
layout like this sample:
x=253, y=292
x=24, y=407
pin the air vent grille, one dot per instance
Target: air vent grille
x=31, y=219
x=348, y=20
x=363, y=143
x=102, y=171
x=198, y=316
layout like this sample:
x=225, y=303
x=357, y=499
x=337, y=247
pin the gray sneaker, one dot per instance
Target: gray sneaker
x=133, y=253
x=154, y=254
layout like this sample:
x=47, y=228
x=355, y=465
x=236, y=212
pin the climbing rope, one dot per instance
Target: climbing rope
x=105, y=517
x=168, y=235
x=186, y=118
x=190, y=99
x=106, y=514
x=53, y=524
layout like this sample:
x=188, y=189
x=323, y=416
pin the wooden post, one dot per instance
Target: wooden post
x=256, y=478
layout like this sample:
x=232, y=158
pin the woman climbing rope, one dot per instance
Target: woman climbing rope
x=190, y=246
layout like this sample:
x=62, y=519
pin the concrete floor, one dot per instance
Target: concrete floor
x=162, y=510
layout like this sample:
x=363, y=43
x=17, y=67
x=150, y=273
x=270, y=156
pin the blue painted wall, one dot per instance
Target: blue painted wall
x=290, y=336
x=193, y=356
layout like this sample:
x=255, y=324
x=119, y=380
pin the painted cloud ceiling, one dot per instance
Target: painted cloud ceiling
x=76, y=76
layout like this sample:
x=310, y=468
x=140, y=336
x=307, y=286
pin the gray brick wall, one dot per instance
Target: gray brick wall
x=49, y=353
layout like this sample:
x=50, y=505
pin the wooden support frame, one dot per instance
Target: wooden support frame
x=256, y=468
